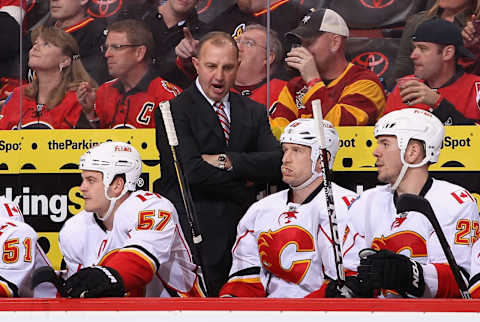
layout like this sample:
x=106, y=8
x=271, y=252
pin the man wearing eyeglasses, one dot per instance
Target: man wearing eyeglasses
x=251, y=77
x=130, y=99
x=350, y=94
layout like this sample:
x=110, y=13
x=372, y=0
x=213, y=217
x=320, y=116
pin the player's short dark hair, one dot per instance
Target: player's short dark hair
x=137, y=33
x=218, y=39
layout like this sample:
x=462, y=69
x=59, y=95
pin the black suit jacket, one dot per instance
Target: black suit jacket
x=221, y=197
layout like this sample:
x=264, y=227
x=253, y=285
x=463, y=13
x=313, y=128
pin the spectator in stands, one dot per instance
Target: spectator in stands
x=439, y=79
x=129, y=100
x=285, y=15
x=471, y=39
x=11, y=18
x=72, y=17
x=350, y=94
x=225, y=142
x=455, y=11
x=49, y=101
x=173, y=21
x=251, y=77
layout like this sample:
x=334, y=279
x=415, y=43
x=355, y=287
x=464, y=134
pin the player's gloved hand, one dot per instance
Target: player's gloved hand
x=95, y=281
x=352, y=288
x=387, y=270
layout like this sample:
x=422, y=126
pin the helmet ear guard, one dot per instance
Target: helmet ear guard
x=303, y=132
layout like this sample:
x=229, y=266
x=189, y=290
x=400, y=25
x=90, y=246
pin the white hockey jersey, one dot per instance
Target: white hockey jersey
x=10, y=211
x=373, y=222
x=145, y=230
x=284, y=249
x=18, y=242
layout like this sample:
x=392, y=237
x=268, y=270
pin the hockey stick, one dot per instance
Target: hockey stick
x=411, y=202
x=332, y=216
x=184, y=188
x=47, y=274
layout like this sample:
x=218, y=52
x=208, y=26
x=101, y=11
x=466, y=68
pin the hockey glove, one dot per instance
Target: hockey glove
x=352, y=288
x=387, y=270
x=95, y=281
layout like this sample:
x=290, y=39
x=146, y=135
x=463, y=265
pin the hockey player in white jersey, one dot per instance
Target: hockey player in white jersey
x=405, y=257
x=283, y=246
x=21, y=255
x=125, y=242
x=18, y=242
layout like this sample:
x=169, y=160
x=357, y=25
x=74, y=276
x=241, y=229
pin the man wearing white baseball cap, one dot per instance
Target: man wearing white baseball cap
x=350, y=94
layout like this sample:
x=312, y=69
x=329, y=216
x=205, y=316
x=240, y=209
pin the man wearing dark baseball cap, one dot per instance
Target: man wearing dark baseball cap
x=350, y=94
x=438, y=79
x=442, y=32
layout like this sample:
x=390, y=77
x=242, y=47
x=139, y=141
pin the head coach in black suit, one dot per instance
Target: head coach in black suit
x=225, y=145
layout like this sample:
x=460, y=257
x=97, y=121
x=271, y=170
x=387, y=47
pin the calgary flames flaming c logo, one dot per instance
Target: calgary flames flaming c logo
x=272, y=244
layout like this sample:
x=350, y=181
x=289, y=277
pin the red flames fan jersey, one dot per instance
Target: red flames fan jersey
x=373, y=222
x=63, y=116
x=463, y=93
x=258, y=92
x=135, y=108
x=356, y=97
x=283, y=249
x=18, y=242
x=10, y=211
x=146, y=241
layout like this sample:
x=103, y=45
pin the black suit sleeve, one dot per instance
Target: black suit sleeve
x=262, y=165
x=198, y=173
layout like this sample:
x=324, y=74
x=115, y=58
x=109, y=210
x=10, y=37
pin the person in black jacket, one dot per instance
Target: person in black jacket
x=169, y=24
x=225, y=146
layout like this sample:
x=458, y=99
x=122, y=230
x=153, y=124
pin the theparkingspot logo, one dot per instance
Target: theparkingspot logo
x=10, y=146
x=69, y=144
x=455, y=143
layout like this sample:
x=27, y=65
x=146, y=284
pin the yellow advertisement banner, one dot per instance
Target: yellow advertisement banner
x=39, y=168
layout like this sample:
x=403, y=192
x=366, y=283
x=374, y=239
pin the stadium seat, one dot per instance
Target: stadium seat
x=376, y=54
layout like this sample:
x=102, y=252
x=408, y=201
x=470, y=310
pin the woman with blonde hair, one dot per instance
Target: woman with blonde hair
x=50, y=100
x=455, y=11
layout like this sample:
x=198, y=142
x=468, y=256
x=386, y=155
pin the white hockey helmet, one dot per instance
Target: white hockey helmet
x=303, y=132
x=412, y=123
x=112, y=158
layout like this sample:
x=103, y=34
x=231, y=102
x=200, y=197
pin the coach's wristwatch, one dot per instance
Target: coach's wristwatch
x=222, y=161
